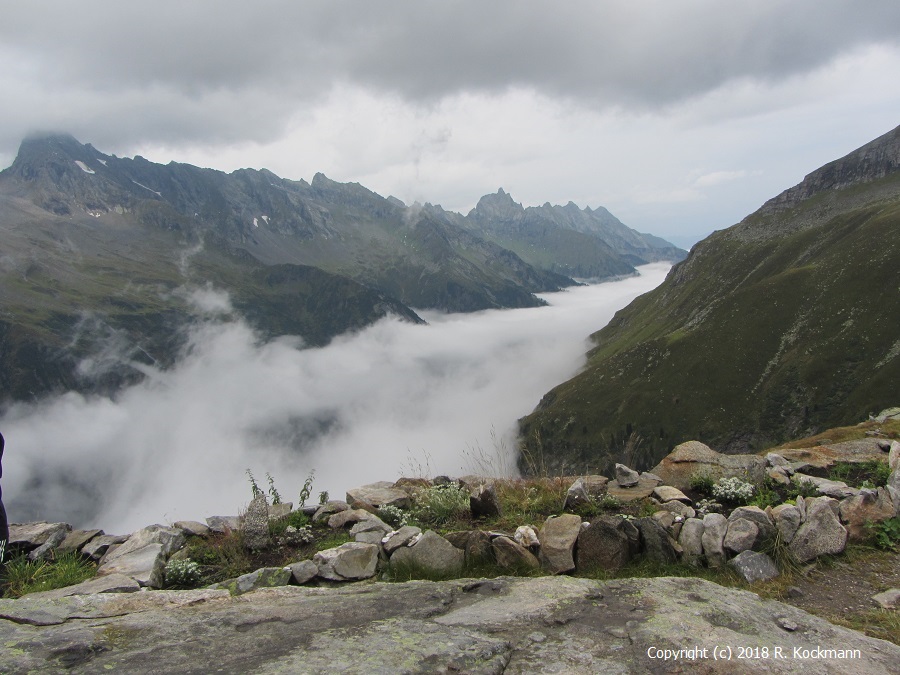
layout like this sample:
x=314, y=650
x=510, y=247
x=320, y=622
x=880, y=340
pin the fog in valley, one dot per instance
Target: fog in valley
x=394, y=399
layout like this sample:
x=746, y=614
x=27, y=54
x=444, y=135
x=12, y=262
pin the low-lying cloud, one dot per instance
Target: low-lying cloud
x=392, y=399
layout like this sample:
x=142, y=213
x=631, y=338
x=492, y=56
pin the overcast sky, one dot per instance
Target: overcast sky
x=679, y=117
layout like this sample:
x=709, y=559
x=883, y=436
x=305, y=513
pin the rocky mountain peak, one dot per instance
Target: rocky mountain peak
x=499, y=206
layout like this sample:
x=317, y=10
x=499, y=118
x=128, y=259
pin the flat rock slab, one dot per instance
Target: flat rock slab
x=643, y=489
x=379, y=494
x=111, y=583
x=510, y=625
x=823, y=456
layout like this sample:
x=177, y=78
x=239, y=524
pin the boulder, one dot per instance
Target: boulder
x=97, y=547
x=146, y=565
x=192, y=527
x=626, y=477
x=256, y=524
x=371, y=524
x=715, y=525
x=280, y=510
x=512, y=556
x=741, y=535
x=265, y=577
x=869, y=506
x=526, y=536
x=679, y=509
x=753, y=566
x=302, y=571
x=478, y=547
x=821, y=533
x=664, y=518
x=829, y=488
x=691, y=540
x=558, y=536
x=576, y=496
x=353, y=516
x=401, y=537
x=667, y=493
x=655, y=542
x=889, y=599
x=787, y=521
x=764, y=524
x=483, y=501
x=643, y=489
x=692, y=457
x=894, y=456
x=354, y=560
x=602, y=545
x=224, y=524
x=380, y=494
x=29, y=536
x=45, y=550
x=76, y=539
x=432, y=553
x=170, y=540
x=329, y=508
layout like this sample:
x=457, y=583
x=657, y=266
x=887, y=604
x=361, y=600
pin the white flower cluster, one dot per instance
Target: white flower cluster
x=733, y=490
x=392, y=515
x=182, y=573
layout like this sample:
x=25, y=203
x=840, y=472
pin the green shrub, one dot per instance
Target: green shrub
x=441, y=504
x=887, y=534
x=802, y=488
x=183, y=573
x=702, y=482
x=393, y=516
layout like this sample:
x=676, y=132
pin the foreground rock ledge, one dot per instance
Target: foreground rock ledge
x=511, y=625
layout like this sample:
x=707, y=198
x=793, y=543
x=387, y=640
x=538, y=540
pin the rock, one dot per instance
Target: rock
x=483, y=502
x=353, y=516
x=97, y=547
x=280, y=510
x=664, y=518
x=459, y=538
x=516, y=625
x=715, y=525
x=679, y=509
x=889, y=599
x=513, y=556
x=478, y=547
x=691, y=540
x=657, y=547
x=753, y=566
x=110, y=583
x=576, y=496
x=646, y=475
x=780, y=475
x=626, y=477
x=643, y=489
x=776, y=460
x=692, y=457
x=741, y=535
x=401, y=537
x=256, y=524
x=888, y=414
x=526, y=536
x=380, y=494
x=265, y=577
x=192, y=527
x=56, y=538
x=821, y=533
x=869, y=506
x=76, y=539
x=764, y=524
x=894, y=456
x=830, y=488
x=433, y=553
x=170, y=540
x=143, y=556
x=302, y=571
x=369, y=537
x=29, y=536
x=602, y=546
x=224, y=524
x=329, y=508
x=787, y=521
x=667, y=493
x=558, y=536
x=353, y=560
x=371, y=524
x=595, y=485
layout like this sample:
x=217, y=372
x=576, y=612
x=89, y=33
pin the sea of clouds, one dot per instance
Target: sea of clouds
x=393, y=399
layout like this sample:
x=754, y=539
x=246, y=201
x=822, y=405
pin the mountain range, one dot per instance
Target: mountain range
x=101, y=255
x=777, y=327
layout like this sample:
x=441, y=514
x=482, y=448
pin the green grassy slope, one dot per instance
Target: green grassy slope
x=767, y=331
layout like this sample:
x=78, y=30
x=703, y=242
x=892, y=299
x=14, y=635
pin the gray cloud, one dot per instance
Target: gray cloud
x=364, y=408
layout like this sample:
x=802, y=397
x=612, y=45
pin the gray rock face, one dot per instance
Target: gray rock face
x=603, y=545
x=821, y=533
x=352, y=516
x=223, y=524
x=558, y=536
x=76, y=539
x=667, y=493
x=787, y=521
x=53, y=542
x=379, y=494
x=527, y=625
x=401, y=537
x=694, y=457
x=741, y=535
x=753, y=566
x=97, y=547
x=577, y=495
x=111, y=583
x=256, y=524
x=679, y=509
x=29, y=536
x=655, y=542
x=143, y=556
x=354, y=560
x=715, y=525
x=432, y=552
x=626, y=477
x=512, y=556
x=192, y=527
x=302, y=571
x=266, y=577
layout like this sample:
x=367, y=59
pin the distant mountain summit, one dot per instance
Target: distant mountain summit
x=94, y=240
x=777, y=327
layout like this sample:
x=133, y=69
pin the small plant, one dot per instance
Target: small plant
x=887, y=534
x=306, y=490
x=441, y=504
x=608, y=502
x=184, y=573
x=273, y=491
x=702, y=482
x=297, y=536
x=323, y=497
x=802, y=488
x=705, y=506
x=393, y=516
x=253, y=485
x=766, y=494
x=733, y=490
x=22, y=576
